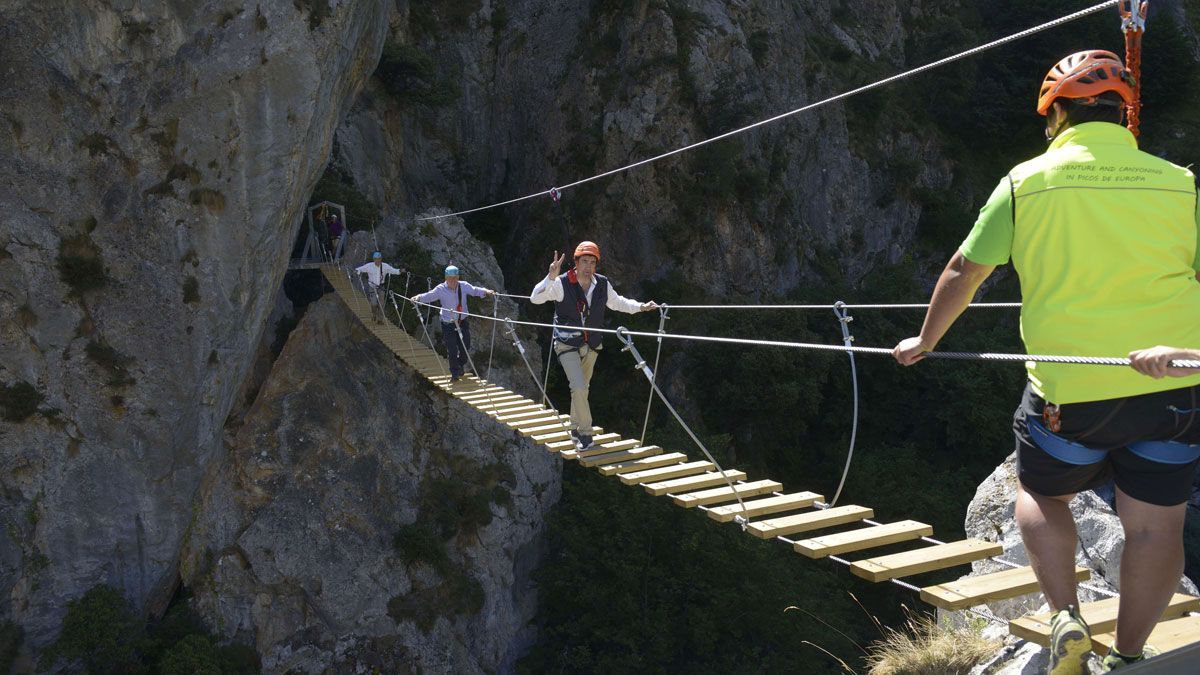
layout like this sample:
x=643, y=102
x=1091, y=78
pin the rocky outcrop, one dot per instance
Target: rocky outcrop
x=156, y=158
x=364, y=519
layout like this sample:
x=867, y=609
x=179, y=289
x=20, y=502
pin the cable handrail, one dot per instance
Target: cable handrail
x=879, y=351
x=555, y=192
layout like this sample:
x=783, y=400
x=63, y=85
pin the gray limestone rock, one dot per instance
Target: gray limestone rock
x=156, y=158
x=292, y=547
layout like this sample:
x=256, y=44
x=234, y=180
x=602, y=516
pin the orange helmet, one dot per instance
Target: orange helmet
x=587, y=248
x=1085, y=75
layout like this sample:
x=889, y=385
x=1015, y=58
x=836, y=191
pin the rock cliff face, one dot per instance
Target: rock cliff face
x=362, y=518
x=156, y=158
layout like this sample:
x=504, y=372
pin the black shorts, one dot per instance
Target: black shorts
x=1112, y=425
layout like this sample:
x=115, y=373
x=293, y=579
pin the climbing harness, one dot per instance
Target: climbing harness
x=844, y=319
x=811, y=106
x=1163, y=452
x=1133, y=25
x=662, y=321
x=742, y=520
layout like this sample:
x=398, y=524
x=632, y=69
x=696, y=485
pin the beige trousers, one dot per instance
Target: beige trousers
x=578, y=365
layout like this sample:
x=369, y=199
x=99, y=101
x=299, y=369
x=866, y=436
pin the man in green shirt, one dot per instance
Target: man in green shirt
x=1104, y=240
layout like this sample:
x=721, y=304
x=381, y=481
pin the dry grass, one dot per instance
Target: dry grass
x=923, y=647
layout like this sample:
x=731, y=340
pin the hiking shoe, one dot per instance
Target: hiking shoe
x=582, y=441
x=1115, y=659
x=1070, y=643
x=455, y=378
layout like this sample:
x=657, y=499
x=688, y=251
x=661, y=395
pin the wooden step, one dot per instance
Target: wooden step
x=666, y=472
x=1168, y=635
x=863, y=538
x=551, y=432
x=806, y=522
x=765, y=507
x=609, y=448
x=690, y=483
x=635, y=465
x=1101, y=617
x=545, y=417
x=925, y=559
x=726, y=494
x=985, y=588
x=513, y=408
x=476, y=394
x=501, y=402
x=621, y=456
x=514, y=416
x=568, y=445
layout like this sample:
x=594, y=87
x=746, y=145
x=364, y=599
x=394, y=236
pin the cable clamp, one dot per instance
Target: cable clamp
x=742, y=522
x=1133, y=15
x=555, y=194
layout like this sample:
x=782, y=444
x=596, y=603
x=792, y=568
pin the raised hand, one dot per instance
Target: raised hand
x=649, y=305
x=556, y=264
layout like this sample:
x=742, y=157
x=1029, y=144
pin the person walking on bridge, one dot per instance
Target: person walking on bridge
x=581, y=296
x=456, y=331
x=377, y=273
x=1103, y=238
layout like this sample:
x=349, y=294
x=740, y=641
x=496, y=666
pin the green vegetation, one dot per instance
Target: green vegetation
x=19, y=401
x=111, y=361
x=80, y=264
x=191, y=290
x=101, y=632
x=419, y=543
x=409, y=75
x=11, y=636
x=337, y=187
x=458, y=594
x=427, y=18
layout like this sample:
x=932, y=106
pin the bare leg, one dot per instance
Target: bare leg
x=1048, y=530
x=1150, y=567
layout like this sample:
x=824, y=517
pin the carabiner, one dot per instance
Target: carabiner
x=1133, y=15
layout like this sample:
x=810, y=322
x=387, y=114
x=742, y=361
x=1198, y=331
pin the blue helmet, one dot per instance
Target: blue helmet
x=451, y=271
x=376, y=255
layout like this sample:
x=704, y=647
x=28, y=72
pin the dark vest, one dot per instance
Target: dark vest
x=573, y=316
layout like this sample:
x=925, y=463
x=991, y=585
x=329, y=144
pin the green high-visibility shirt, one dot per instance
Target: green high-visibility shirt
x=1104, y=238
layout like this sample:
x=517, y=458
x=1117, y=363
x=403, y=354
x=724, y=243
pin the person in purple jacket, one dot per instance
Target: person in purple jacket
x=452, y=295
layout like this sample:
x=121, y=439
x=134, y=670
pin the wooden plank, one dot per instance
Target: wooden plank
x=689, y=483
x=568, y=445
x=609, y=448
x=986, y=588
x=1168, y=635
x=765, y=507
x=925, y=559
x=552, y=432
x=634, y=465
x=640, y=452
x=513, y=417
x=514, y=408
x=806, y=522
x=501, y=402
x=726, y=494
x=864, y=538
x=1101, y=617
x=666, y=472
x=480, y=393
x=544, y=417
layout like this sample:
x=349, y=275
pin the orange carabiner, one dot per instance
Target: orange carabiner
x=1133, y=25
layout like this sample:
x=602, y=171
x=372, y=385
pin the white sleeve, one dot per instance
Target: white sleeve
x=547, y=291
x=618, y=303
x=363, y=269
x=390, y=270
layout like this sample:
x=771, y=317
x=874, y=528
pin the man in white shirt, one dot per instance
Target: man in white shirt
x=580, y=298
x=377, y=273
x=456, y=331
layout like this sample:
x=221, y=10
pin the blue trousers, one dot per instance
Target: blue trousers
x=454, y=348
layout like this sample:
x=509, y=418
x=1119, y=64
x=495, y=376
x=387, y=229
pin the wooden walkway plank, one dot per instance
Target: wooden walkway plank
x=689, y=483
x=985, y=588
x=610, y=447
x=635, y=465
x=501, y=402
x=514, y=416
x=568, y=445
x=561, y=423
x=727, y=494
x=926, y=559
x=806, y=522
x=666, y=472
x=546, y=417
x=1101, y=617
x=1168, y=635
x=765, y=507
x=863, y=538
x=639, y=452
x=551, y=432
x=515, y=408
